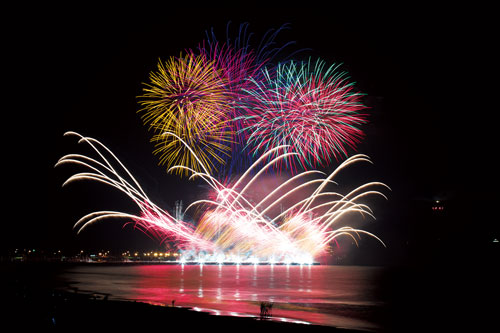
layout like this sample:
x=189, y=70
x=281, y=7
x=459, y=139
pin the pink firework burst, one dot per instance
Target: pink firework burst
x=315, y=111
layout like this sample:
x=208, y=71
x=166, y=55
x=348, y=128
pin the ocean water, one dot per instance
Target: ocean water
x=341, y=296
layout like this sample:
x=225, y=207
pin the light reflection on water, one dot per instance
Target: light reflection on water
x=345, y=296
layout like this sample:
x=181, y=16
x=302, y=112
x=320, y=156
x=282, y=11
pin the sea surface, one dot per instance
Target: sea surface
x=341, y=296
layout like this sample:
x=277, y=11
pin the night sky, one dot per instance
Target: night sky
x=428, y=74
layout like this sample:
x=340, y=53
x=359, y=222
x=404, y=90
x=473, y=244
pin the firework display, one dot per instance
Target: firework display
x=307, y=107
x=187, y=96
x=231, y=228
x=232, y=115
x=201, y=97
x=231, y=103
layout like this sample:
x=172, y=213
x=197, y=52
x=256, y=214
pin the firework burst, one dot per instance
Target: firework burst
x=188, y=96
x=238, y=225
x=237, y=60
x=231, y=223
x=314, y=110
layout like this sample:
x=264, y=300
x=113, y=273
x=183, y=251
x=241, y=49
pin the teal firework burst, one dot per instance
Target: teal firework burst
x=307, y=105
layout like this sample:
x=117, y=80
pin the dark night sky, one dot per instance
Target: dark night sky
x=427, y=71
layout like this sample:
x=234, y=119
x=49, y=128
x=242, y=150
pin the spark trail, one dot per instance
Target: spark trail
x=231, y=224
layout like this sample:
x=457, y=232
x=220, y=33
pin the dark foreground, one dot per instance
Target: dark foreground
x=32, y=300
x=67, y=311
x=429, y=298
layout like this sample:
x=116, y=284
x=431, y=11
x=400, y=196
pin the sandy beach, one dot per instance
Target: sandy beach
x=34, y=301
x=53, y=309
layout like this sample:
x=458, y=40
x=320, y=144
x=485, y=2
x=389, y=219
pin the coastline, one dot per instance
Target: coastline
x=34, y=302
x=54, y=309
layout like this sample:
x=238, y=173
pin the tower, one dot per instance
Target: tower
x=178, y=213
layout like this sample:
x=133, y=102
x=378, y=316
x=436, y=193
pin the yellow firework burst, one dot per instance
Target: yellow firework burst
x=187, y=96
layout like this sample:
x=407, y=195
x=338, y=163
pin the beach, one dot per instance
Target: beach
x=442, y=300
x=36, y=300
x=52, y=309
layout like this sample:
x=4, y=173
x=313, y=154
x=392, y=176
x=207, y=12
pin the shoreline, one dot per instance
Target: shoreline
x=155, y=262
x=38, y=299
x=55, y=309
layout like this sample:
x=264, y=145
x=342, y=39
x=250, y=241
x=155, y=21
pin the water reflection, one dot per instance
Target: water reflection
x=271, y=277
x=329, y=295
x=200, y=288
x=287, y=281
x=181, y=280
x=301, y=281
x=254, y=276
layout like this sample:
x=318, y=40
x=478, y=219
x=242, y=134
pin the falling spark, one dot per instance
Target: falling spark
x=231, y=226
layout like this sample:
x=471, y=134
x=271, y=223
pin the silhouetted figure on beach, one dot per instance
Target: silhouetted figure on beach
x=265, y=309
x=173, y=302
